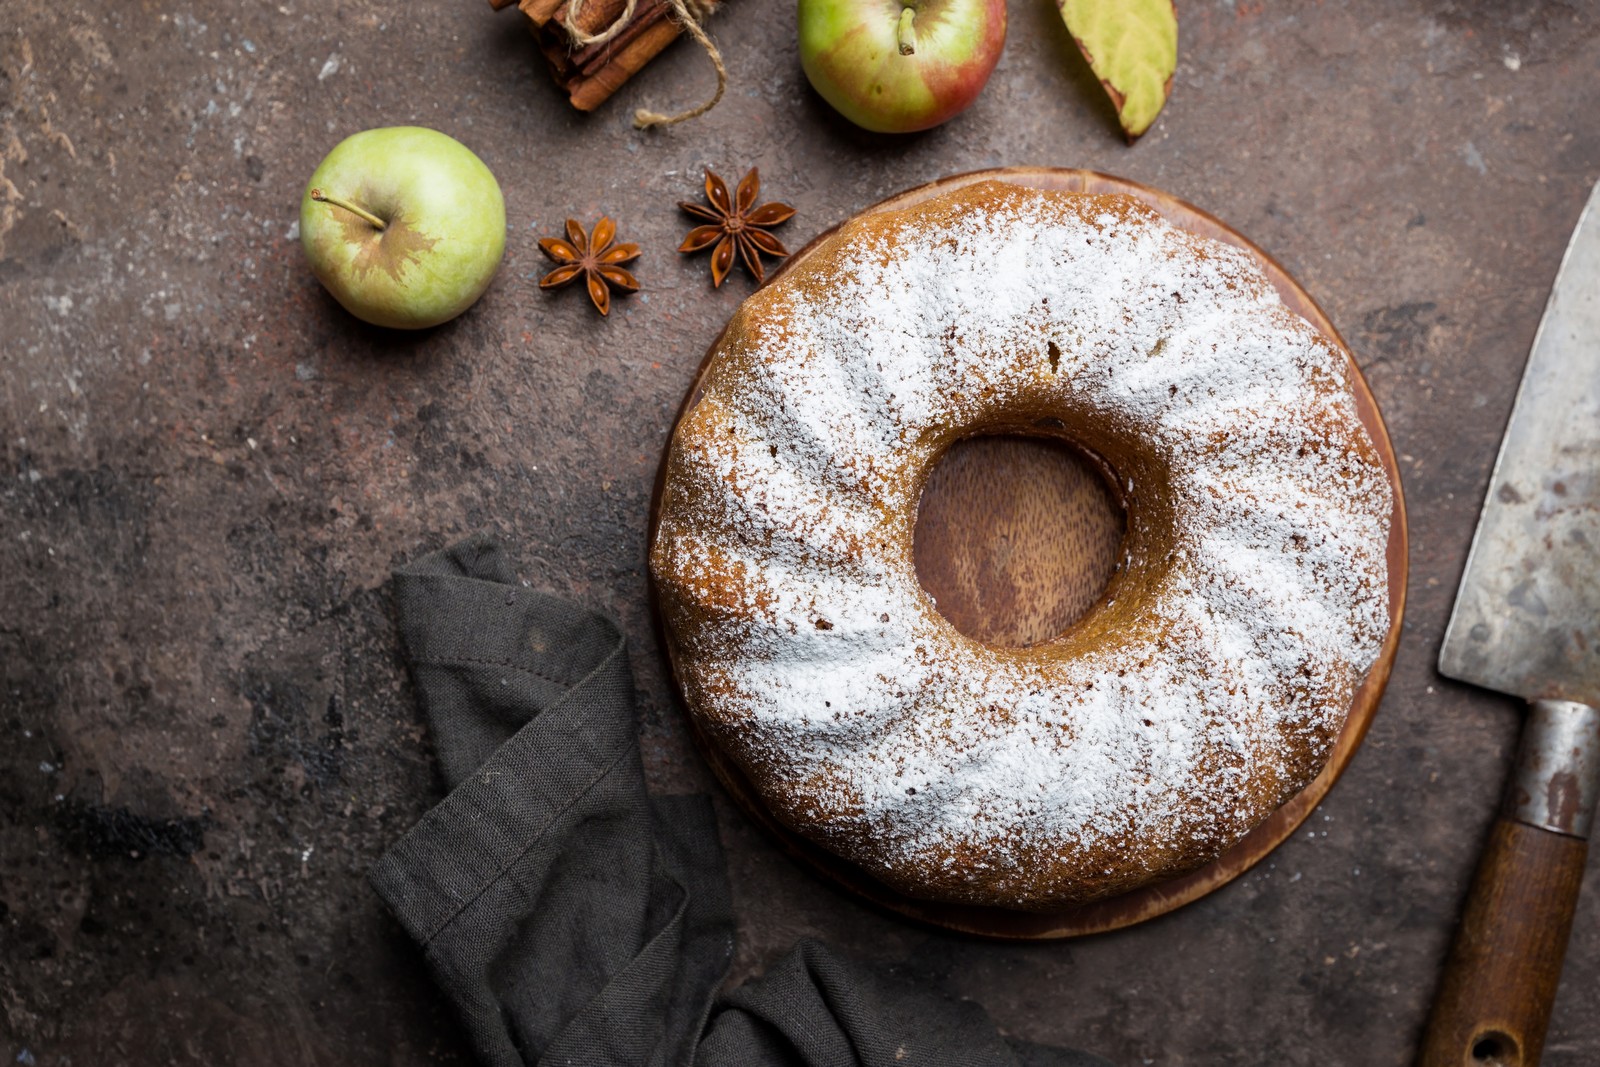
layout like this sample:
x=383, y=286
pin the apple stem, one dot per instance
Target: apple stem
x=908, y=32
x=354, y=209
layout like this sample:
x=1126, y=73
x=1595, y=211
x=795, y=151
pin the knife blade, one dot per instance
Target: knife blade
x=1527, y=616
x=1526, y=622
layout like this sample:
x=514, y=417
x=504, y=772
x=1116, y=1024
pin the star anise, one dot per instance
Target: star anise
x=734, y=223
x=592, y=257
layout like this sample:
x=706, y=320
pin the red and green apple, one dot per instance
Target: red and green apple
x=896, y=66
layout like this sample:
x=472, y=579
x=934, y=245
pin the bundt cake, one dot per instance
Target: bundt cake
x=1203, y=690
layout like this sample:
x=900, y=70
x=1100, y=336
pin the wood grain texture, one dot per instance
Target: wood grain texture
x=1016, y=537
x=1153, y=900
x=1494, y=1000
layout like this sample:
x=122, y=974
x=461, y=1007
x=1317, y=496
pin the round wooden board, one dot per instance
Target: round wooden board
x=1025, y=472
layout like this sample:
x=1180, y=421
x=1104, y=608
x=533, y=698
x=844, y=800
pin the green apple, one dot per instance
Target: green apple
x=896, y=66
x=404, y=225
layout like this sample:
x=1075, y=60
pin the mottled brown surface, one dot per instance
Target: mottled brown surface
x=209, y=469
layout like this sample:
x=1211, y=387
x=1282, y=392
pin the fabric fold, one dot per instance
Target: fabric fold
x=570, y=917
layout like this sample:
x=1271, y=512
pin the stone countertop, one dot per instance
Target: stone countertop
x=209, y=470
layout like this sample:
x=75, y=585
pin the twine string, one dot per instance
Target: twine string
x=689, y=14
x=581, y=39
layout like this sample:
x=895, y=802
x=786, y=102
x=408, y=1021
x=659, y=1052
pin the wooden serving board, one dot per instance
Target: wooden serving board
x=1015, y=538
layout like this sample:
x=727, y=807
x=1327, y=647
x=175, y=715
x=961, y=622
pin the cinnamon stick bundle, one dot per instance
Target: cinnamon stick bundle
x=591, y=74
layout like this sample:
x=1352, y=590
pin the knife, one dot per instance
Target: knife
x=1527, y=622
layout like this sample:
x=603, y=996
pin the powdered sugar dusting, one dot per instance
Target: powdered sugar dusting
x=808, y=648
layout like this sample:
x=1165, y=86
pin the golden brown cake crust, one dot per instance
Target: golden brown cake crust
x=1204, y=690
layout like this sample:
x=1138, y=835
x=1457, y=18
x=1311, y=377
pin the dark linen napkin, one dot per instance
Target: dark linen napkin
x=572, y=918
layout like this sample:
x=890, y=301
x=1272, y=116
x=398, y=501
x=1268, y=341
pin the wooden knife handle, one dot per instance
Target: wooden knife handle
x=1494, y=1002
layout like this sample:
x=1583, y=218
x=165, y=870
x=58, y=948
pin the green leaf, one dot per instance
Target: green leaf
x=1132, y=46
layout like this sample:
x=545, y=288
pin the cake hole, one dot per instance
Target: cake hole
x=1016, y=537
